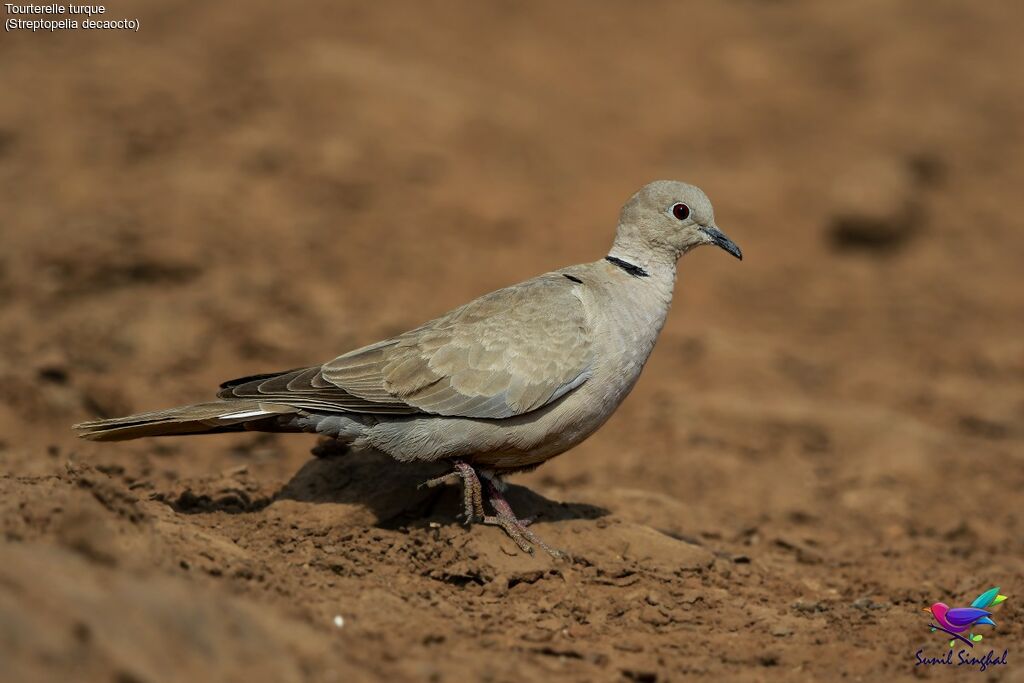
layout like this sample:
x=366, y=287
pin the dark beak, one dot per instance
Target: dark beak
x=719, y=239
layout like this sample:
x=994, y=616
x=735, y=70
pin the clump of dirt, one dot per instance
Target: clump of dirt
x=828, y=437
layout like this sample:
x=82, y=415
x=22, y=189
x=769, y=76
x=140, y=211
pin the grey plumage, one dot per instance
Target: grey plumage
x=481, y=360
x=504, y=382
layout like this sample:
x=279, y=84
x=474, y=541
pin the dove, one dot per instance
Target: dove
x=496, y=386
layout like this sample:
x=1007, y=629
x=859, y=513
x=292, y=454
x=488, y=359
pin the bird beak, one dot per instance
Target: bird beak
x=719, y=239
x=926, y=609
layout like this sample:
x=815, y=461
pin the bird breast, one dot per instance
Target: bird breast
x=628, y=315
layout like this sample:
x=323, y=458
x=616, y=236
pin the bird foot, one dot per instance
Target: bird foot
x=472, y=501
x=516, y=528
x=472, y=497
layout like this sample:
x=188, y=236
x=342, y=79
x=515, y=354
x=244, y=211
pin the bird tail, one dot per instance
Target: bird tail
x=199, y=418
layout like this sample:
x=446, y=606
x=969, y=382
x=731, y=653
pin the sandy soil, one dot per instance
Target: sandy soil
x=827, y=438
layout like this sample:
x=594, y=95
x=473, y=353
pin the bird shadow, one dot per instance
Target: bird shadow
x=391, y=491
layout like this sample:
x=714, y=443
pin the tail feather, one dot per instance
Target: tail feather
x=200, y=418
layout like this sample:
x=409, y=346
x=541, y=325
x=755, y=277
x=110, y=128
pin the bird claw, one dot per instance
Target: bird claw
x=516, y=528
x=472, y=497
x=450, y=478
x=523, y=537
x=473, y=506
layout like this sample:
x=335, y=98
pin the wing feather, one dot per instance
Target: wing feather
x=507, y=353
x=965, y=616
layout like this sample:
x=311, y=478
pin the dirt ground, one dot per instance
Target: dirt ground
x=827, y=439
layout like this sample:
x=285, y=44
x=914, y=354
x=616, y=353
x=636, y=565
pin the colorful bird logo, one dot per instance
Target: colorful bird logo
x=956, y=620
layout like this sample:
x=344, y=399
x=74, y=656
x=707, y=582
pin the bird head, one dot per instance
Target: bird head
x=666, y=219
x=938, y=610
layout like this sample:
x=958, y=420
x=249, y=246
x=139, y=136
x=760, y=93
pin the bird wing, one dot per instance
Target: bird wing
x=505, y=354
x=965, y=616
x=986, y=598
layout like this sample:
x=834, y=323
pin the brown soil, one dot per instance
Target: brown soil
x=827, y=439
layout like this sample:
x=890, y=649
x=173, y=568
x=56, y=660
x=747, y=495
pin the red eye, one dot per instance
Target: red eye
x=681, y=211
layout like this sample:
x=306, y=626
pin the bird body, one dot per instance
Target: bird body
x=619, y=342
x=502, y=383
x=958, y=619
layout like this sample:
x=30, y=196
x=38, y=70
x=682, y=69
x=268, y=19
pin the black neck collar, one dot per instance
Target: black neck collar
x=635, y=271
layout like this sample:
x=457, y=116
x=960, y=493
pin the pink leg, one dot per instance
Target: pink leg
x=472, y=498
x=505, y=518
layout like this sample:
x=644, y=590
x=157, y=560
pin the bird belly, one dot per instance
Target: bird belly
x=513, y=443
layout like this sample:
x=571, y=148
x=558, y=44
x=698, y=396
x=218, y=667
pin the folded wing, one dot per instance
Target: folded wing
x=965, y=616
x=505, y=354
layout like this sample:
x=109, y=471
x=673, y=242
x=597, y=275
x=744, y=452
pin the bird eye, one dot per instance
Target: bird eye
x=681, y=211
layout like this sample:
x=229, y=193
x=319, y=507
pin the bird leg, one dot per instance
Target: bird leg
x=472, y=498
x=504, y=517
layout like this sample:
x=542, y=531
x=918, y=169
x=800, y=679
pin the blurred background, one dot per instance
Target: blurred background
x=237, y=188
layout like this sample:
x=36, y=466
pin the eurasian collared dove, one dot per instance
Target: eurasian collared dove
x=498, y=385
